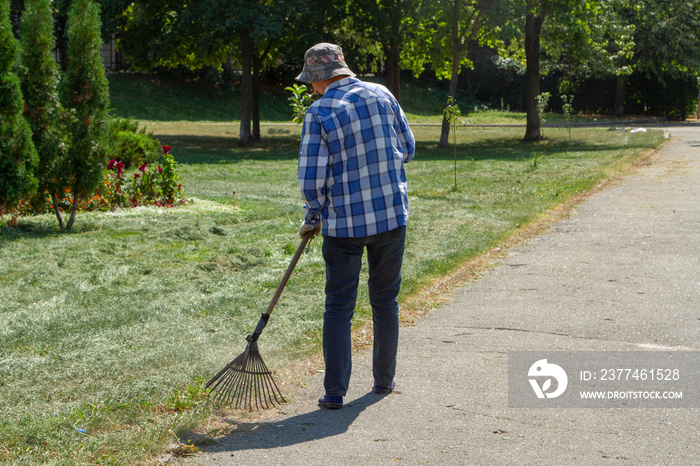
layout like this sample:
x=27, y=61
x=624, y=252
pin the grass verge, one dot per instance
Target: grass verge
x=107, y=334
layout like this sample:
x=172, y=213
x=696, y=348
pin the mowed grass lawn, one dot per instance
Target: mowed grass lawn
x=108, y=334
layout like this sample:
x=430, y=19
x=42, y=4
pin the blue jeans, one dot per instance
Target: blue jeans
x=343, y=258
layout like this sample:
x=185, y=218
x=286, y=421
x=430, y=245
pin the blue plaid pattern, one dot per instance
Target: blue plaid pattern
x=354, y=144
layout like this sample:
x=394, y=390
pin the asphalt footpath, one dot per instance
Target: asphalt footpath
x=622, y=273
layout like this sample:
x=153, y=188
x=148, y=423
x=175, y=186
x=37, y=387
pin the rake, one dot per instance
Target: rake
x=246, y=382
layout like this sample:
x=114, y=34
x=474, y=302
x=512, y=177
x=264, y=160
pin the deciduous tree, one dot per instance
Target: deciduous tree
x=442, y=39
x=581, y=37
x=391, y=24
x=666, y=34
x=209, y=33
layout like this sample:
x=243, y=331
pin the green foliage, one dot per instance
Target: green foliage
x=542, y=102
x=299, y=101
x=17, y=152
x=85, y=93
x=170, y=182
x=39, y=75
x=128, y=144
x=155, y=183
x=452, y=111
x=157, y=180
x=667, y=34
x=587, y=37
x=175, y=37
x=442, y=31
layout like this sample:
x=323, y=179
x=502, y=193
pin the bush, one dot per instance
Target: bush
x=155, y=183
x=156, y=180
x=129, y=145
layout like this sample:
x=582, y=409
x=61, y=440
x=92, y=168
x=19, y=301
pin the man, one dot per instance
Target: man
x=354, y=144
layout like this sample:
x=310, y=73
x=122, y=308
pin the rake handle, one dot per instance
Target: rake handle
x=290, y=268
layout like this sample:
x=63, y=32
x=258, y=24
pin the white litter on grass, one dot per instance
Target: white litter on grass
x=628, y=129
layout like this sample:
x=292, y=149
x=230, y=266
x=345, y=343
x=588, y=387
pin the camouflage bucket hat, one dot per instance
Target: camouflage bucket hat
x=323, y=61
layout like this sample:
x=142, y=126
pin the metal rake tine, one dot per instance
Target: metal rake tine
x=260, y=382
x=250, y=386
x=228, y=384
x=268, y=386
x=237, y=384
x=216, y=378
x=221, y=385
x=259, y=386
x=275, y=394
x=276, y=391
x=253, y=385
x=263, y=384
x=221, y=376
x=263, y=391
x=244, y=395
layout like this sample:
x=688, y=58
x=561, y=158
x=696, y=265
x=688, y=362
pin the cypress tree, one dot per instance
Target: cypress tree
x=17, y=153
x=39, y=76
x=85, y=94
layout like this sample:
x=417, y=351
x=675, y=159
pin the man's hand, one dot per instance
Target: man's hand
x=305, y=228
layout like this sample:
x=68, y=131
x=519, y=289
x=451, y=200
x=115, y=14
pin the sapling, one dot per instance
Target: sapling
x=452, y=113
x=300, y=101
x=542, y=101
x=568, y=107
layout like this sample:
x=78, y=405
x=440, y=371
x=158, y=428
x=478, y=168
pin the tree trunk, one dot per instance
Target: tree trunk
x=73, y=210
x=256, y=97
x=392, y=48
x=456, y=54
x=620, y=95
x=533, y=29
x=393, y=68
x=57, y=210
x=245, y=133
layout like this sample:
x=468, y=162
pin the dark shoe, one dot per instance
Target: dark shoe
x=379, y=390
x=331, y=402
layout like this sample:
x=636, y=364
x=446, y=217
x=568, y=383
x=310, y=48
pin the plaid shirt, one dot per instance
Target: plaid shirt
x=354, y=143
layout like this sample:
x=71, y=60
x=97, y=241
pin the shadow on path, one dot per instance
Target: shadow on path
x=302, y=428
